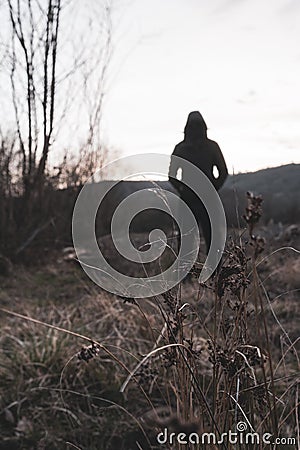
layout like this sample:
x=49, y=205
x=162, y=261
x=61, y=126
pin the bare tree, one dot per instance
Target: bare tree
x=55, y=56
x=31, y=47
x=38, y=79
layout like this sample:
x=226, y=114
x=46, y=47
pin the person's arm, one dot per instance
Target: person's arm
x=173, y=169
x=174, y=166
x=220, y=163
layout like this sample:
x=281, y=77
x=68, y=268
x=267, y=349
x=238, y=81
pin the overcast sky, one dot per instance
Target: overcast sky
x=236, y=61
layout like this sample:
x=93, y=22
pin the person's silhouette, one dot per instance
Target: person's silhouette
x=207, y=156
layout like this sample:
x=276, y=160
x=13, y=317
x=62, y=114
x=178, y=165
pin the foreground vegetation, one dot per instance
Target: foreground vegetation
x=88, y=370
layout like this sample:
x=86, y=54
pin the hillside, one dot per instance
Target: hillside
x=51, y=220
x=279, y=186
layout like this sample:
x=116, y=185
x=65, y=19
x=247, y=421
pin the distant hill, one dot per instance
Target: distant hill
x=279, y=186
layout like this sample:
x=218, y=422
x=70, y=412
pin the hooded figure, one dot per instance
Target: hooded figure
x=206, y=155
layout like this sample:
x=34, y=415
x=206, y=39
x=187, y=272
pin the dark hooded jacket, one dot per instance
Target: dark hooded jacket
x=200, y=151
x=205, y=154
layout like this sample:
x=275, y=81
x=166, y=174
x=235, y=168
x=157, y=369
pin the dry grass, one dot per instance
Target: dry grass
x=197, y=359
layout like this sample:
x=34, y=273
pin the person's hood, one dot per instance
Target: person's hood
x=195, y=128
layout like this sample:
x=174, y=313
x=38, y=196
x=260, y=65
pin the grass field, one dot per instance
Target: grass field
x=112, y=373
